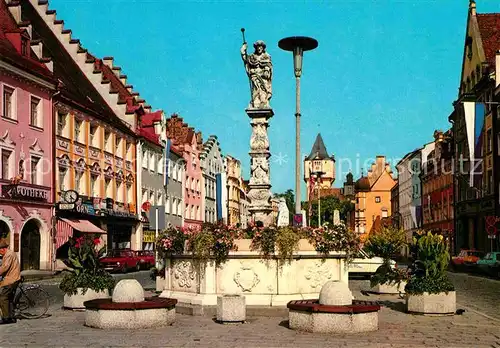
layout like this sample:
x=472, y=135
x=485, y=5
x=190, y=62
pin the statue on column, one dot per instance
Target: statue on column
x=259, y=69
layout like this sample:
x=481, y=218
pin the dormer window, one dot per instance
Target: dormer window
x=24, y=46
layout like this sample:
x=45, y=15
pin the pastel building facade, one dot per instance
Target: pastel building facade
x=211, y=165
x=26, y=156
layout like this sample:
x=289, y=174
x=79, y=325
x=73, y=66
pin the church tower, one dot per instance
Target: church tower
x=319, y=163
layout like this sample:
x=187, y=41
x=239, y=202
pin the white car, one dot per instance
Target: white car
x=363, y=264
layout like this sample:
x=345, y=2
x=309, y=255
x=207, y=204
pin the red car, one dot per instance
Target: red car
x=146, y=259
x=121, y=260
x=467, y=257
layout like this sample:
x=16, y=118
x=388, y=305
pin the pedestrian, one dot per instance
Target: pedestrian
x=11, y=273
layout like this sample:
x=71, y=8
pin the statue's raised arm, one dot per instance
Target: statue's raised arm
x=259, y=69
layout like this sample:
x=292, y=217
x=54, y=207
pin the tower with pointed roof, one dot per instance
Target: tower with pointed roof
x=319, y=161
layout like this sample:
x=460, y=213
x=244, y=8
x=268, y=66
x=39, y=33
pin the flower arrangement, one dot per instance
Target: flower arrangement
x=428, y=273
x=216, y=241
x=85, y=270
x=334, y=238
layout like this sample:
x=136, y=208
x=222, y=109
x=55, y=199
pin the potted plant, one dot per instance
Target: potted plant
x=429, y=291
x=384, y=243
x=85, y=279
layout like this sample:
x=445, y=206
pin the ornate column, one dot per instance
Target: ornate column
x=260, y=175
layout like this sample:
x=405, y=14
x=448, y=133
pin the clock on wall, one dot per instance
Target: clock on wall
x=70, y=196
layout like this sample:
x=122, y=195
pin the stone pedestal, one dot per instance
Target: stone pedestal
x=231, y=308
x=260, y=175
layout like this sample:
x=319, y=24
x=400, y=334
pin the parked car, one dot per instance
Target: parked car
x=146, y=259
x=490, y=264
x=121, y=260
x=365, y=265
x=466, y=258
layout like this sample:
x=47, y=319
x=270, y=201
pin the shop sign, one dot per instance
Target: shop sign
x=148, y=237
x=85, y=208
x=65, y=206
x=24, y=193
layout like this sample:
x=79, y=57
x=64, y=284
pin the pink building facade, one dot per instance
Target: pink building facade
x=26, y=147
x=193, y=198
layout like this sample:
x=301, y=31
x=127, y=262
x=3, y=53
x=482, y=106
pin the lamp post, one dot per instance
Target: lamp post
x=298, y=45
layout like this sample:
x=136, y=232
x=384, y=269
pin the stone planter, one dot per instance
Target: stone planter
x=160, y=283
x=442, y=303
x=76, y=301
x=231, y=308
x=263, y=282
x=389, y=288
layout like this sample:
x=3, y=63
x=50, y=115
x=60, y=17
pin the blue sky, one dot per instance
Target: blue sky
x=382, y=80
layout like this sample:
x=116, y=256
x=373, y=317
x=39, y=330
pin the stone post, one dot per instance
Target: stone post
x=260, y=176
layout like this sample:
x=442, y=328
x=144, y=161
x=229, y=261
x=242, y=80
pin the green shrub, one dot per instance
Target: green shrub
x=287, y=242
x=429, y=274
x=85, y=270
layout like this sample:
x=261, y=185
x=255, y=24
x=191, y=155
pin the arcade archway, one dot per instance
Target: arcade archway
x=30, y=245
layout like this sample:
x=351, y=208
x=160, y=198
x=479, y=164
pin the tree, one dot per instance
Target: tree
x=290, y=202
x=328, y=205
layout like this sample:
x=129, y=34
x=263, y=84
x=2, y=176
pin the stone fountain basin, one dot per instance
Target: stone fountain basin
x=152, y=312
x=311, y=316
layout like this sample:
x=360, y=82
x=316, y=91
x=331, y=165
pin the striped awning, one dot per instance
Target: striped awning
x=65, y=227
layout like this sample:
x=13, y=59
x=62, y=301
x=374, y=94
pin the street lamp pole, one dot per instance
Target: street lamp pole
x=297, y=45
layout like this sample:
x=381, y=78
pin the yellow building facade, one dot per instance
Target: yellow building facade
x=95, y=175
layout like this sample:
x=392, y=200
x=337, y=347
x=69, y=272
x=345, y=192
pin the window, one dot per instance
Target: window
x=61, y=123
x=35, y=112
x=128, y=154
x=94, y=188
x=198, y=217
x=108, y=188
x=187, y=182
x=144, y=159
x=152, y=162
x=377, y=199
x=93, y=135
x=35, y=170
x=118, y=146
x=62, y=178
x=186, y=212
x=167, y=205
x=179, y=207
x=78, y=182
x=489, y=140
x=160, y=164
x=119, y=191
x=107, y=144
x=8, y=102
x=78, y=125
x=6, y=164
x=24, y=46
x=130, y=193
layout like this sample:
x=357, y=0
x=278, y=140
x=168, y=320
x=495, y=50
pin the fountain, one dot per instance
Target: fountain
x=129, y=309
x=334, y=312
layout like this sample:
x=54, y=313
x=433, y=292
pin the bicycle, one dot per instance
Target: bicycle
x=30, y=301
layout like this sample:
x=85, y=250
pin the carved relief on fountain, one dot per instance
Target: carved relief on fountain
x=184, y=274
x=246, y=278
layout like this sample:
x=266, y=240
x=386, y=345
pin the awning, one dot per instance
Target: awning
x=65, y=227
x=84, y=226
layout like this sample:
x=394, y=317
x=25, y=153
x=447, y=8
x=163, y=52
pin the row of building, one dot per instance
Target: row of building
x=452, y=184
x=81, y=150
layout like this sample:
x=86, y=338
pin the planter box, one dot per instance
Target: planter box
x=231, y=308
x=441, y=303
x=263, y=282
x=389, y=288
x=76, y=301
x=160, y=283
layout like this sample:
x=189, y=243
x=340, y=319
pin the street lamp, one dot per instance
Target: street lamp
x=298, y=45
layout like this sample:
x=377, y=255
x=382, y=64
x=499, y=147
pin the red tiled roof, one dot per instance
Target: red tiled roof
x=150, y=118
x=148, y=133
x=124, y=95
x=9, y=53
x=489, y=27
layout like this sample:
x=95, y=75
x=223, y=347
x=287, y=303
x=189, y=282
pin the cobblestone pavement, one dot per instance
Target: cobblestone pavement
x=396, y=329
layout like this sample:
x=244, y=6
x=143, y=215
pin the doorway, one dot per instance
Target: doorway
x=30, y=246
x=4, y=230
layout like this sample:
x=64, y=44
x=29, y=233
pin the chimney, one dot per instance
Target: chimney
x=108, y=61
x=472, y=7
x=497, y=69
